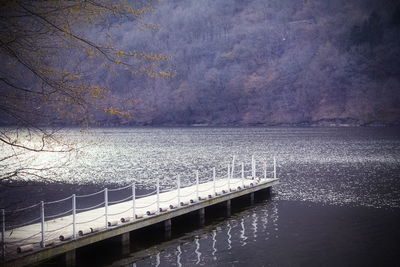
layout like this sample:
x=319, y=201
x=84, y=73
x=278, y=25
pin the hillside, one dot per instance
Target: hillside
x=262, y=62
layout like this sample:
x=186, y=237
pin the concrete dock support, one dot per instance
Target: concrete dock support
x=70, y=258
x=202, y=217
x=252, y=198
x=167, y=226
x=268, y=191
x=125, y=243
x=228, y=207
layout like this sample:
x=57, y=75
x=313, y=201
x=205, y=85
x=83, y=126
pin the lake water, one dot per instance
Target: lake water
x=338, y=202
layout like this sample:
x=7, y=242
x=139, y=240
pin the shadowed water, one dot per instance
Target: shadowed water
x=290, y=233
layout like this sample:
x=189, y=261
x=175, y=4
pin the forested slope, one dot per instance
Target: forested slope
x=262, y=62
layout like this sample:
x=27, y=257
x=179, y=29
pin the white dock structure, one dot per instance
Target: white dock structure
x=46, y=236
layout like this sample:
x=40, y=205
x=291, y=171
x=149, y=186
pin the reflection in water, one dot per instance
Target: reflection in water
x=243, y=237
x=254, y=224
x=214, y=240
x=198, y=253
x=275, y=217
x=264, y=219
x=229, y=235
x=178, y=256
x=261, y=222
x=299, y=243
x=158, y=261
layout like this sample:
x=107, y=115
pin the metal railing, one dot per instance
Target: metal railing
x=70, y=216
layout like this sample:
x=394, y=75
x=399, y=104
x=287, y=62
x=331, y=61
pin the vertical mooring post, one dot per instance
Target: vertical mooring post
x=134, y=201
x=252, y=198
x=167, y=229
x=179, y=189
x=73, y=216
x=158, y=196
x=197, y=185
x=229, y=178
x=214, y=193
x=274, y=167
x=106, y=206
x=242, y=175
x=42, y=242
x=202, y=218
x=3, y=232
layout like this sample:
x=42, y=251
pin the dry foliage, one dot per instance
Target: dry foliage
x=48, y=50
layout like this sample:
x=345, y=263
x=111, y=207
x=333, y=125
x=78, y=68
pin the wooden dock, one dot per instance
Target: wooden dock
x=39, y=241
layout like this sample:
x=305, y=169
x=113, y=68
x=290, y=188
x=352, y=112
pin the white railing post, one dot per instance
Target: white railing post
x=242, y=174
x=197, y=185
x=274, y=168
x=3, y=232
x=74, y=216
x=214, y=181
x=252, y=166
x=106, y=206
x=134, y=201
x=42, y=243
x=265, y=169
x=158, y=195
x=255, y=168
x=233, y=167
x=179, y=190
x=229, y=179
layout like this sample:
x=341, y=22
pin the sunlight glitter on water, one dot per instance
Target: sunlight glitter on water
x=349, y=166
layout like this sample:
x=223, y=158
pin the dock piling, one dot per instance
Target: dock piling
x=168, y=227
x=70, y=258
x=202, y=217
x=125, y=243
x=228, y=207
x=274, y=168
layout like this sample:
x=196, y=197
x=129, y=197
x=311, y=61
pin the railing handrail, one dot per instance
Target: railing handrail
x=43, y=218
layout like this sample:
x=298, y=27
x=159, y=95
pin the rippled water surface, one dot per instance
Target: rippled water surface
x=356, y=166
x=287, y=233
x=337, y=204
